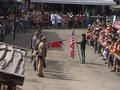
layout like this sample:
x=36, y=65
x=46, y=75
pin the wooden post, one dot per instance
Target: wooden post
x=83, y=8
x=42, y=6
x=104, y=16
x=62, y=8
x=0, y=86
x=11, y=87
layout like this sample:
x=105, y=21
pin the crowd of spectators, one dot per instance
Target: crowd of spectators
x=106, y=42
x=50, y=19
x=37, y=18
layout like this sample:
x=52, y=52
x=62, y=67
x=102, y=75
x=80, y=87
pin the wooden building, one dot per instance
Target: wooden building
x=74, y=5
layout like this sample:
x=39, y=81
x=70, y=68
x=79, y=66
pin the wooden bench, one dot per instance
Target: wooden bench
x=2, y=51
x=11, y=66
x=8, y=58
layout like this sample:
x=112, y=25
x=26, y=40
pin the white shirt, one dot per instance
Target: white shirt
x=52, y=18
x=59, y=19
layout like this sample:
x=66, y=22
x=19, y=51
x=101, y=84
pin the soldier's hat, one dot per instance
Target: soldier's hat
x=43, y=38
x=38, y=31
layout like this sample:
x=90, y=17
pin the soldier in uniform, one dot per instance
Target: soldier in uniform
x=34, y=39
x=41, y=57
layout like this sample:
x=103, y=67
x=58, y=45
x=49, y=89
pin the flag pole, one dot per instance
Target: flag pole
x=77, y=46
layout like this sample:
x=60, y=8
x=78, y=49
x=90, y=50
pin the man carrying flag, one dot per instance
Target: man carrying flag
x=72, y=42
x=82, y=47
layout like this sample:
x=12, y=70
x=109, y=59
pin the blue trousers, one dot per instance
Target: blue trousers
x=83, y=55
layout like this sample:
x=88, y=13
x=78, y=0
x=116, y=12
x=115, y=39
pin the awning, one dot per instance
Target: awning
x=83, y=2
x=4, y=0
x=7, y=0
x=115, y=6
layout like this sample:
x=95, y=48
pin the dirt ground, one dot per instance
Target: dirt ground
x=63, y=72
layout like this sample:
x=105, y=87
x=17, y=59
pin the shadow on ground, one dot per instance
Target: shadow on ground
x=55, y=70
x=95, y=64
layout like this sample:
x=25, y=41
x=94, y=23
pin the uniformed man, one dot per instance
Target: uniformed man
x=41, y=57
x=34, y=39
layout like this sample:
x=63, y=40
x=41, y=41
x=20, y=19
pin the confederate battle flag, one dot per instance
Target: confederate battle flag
x=55, y=44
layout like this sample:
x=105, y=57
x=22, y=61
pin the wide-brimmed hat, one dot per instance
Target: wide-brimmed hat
x=38, y=31
x=43, y=38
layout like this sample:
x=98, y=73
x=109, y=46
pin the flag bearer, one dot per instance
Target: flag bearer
x=82, y=47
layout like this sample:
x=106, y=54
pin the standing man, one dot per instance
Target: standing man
x=52, y=17
x=82, y=47
x=59, y=21
x=41, y=57
x=34, y=39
